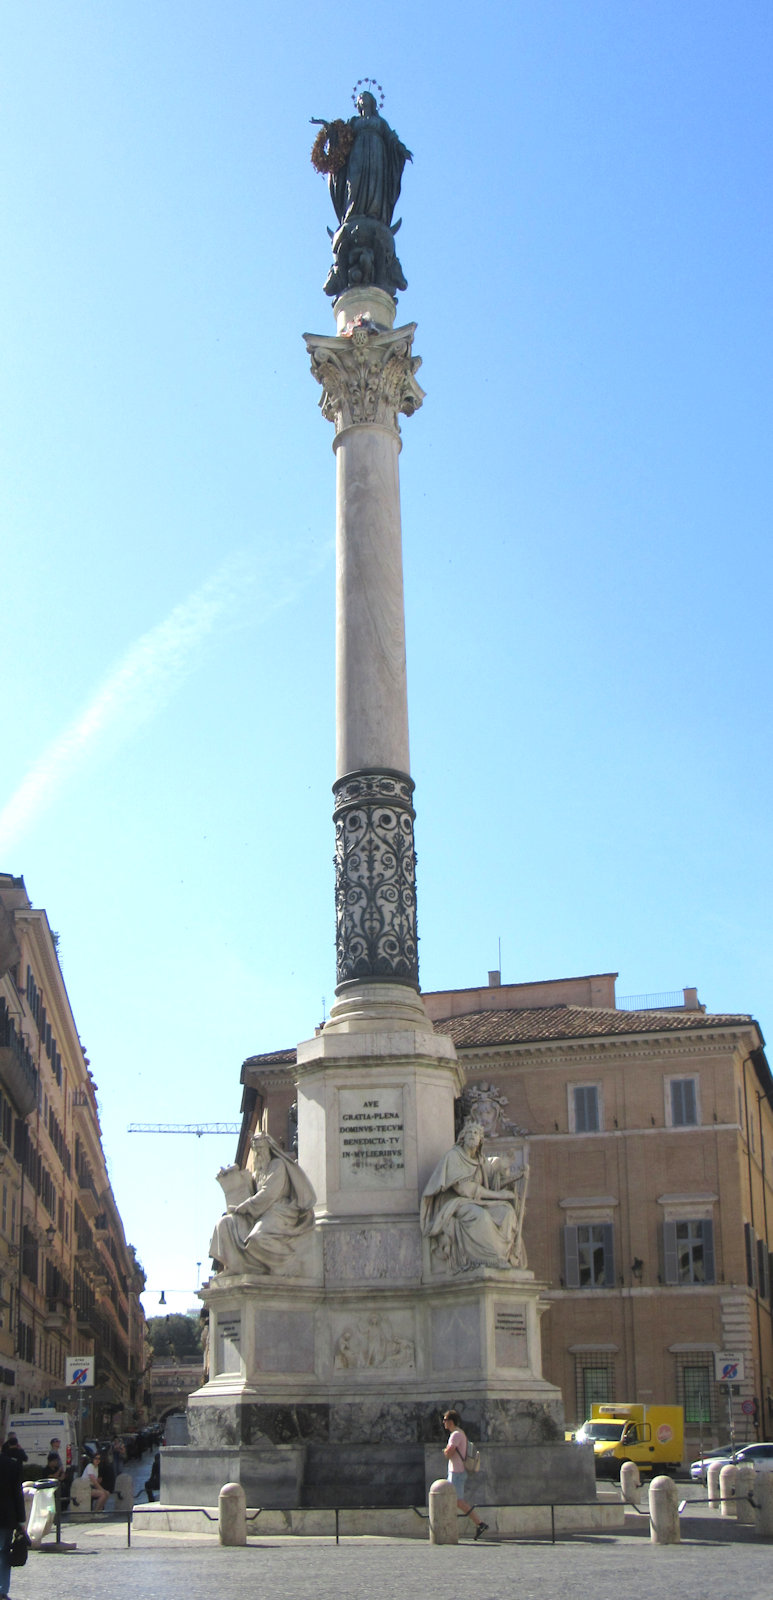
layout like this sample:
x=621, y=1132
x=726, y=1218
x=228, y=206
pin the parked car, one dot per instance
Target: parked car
x=756, y=1455
x=760, y=1456
x=699, y=1468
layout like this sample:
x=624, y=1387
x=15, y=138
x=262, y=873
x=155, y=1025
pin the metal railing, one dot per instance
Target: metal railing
x=668, y=1000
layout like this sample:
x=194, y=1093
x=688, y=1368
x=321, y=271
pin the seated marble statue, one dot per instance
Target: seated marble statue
x=262, y=1226
x=471, y=1208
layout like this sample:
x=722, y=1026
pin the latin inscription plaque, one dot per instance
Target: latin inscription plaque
x=229, y=1338
x=371, y=1138
x=510, y=1342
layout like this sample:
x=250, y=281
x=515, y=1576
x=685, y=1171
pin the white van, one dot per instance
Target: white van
x=35, y=1429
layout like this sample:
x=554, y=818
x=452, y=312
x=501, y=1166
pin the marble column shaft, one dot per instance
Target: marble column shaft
x=367, y=373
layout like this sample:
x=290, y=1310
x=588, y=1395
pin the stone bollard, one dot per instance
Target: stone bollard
x=664, y=1512
x=744, y=1510
x=712, y=1484
x=80, y=1495
x=728, y=1480
x=443, y=1525
x=630, y=1482
x=763, y=1514
x=124, y=1492
x=232, y=1514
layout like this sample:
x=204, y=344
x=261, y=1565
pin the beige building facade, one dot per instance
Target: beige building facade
x=650, y=1135
x=69, y=1282
x=172, y=1381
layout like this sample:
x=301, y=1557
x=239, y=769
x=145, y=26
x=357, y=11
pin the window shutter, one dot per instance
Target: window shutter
x=571, y=1258
x=748, y=1238
x=609, y=1255
x=709, y=1273
x=762, y=1268
x=670, y=1257
x=592, y=1110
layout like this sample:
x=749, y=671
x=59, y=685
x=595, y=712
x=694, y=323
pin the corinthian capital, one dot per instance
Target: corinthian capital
x=367, y=375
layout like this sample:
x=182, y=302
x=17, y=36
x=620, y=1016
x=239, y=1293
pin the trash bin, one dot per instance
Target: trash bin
x=43, y=1514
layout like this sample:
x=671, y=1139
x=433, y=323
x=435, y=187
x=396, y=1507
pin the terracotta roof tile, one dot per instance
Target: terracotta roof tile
x=272, y=1058
x=544, y=1023
x=541, y=1024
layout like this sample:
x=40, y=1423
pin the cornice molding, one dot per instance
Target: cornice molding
x=593, y=1349
x=651, y=1133
x=721, y=1041
x=686, y=1199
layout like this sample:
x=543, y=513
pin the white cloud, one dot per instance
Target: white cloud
x=146, y=678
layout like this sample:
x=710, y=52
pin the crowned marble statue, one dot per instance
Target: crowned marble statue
x=363, y=160
x=472, y=1207
x=269, y=1208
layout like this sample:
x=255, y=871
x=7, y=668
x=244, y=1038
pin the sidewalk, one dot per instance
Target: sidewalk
x=181, y=1566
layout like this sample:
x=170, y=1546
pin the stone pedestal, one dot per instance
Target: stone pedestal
x=328, y=1385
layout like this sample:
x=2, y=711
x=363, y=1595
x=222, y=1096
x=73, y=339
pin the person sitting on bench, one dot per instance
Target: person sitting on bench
x=89, y=1475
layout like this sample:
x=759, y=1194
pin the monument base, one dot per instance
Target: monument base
x=604, y=1515
x=324, y=1475
x=335, y=1397
x=330, y=1375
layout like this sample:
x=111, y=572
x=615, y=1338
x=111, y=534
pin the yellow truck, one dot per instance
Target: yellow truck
x=652, y=1436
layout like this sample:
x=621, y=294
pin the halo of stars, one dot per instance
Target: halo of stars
x=371, y=86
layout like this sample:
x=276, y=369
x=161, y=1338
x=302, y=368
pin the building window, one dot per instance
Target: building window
x=763, y=1269
x=589, y=1255
x=26, y=1343
x=29, y=1256
x=584, y=1108
x=748, y=1239
x=689, y=1251
x=595, y=1382
x=683, y=1102
x=695, y=1389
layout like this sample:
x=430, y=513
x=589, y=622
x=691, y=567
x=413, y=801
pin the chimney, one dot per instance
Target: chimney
x=494, y=980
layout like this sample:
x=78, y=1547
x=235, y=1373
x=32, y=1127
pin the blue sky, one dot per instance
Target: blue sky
x=586, y=514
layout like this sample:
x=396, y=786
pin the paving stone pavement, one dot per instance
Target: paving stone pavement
x=180, y=1567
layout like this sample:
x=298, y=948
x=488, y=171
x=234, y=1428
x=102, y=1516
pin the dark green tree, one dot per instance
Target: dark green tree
x=175, y=1336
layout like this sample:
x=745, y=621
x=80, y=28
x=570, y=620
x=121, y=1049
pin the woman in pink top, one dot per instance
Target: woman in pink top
x=455, y=1453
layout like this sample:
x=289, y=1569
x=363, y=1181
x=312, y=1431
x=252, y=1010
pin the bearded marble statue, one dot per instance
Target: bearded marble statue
x=269, y=1210
x=472, y=1207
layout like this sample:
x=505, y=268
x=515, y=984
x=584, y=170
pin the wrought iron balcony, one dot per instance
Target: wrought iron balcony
x=88, y=1320
x=57, y=1314
x=18, y=1073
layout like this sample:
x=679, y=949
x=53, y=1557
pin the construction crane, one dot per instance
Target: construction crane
x=198, y=1128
